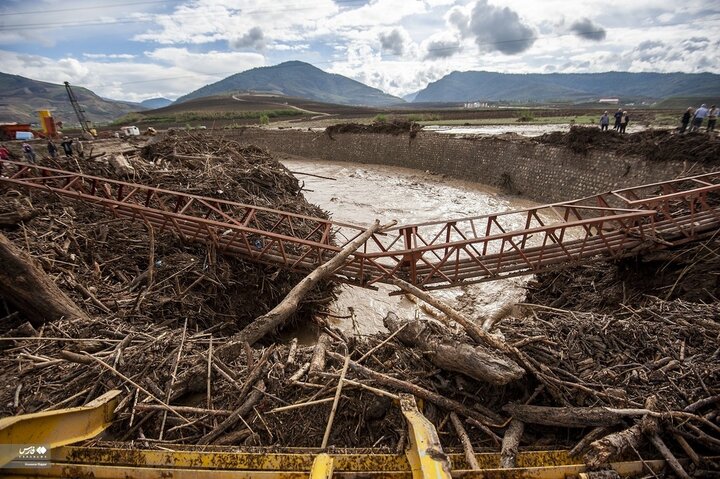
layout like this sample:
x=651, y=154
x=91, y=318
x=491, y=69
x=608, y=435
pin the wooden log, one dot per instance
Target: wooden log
x=593, y=435
x=477, y=362
x=247, y=406
x=31, y=290
x=465, y=441
x=613, y=446
x=668, y=455
x=184, y=409
x=511, y=444
x=121, y=165
x=565, y=416
x=277, y=316
x=317, y=362
x=487, y=417
x=473, y=330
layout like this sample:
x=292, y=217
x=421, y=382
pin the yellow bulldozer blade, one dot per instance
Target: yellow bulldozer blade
x=424, y=458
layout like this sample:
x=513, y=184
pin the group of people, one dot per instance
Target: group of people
x=695, y=118
x=67, y=146
x=621, y=121
x=29, y=153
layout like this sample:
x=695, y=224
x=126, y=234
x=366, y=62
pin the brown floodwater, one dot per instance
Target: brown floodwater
x=362, y=193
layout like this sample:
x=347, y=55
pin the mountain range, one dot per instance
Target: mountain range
x=298, y=79
x=21, y=98
x=536, y=87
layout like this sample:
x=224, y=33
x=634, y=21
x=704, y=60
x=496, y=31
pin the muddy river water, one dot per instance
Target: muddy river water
x=362, y=193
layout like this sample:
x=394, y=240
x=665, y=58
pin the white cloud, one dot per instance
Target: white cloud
x=110, y=56
x=177, y=72
x=398, y=46
x=207, y=63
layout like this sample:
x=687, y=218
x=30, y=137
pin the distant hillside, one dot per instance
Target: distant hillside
x=298, y=79
x=410, y=96
x=21, y=97
x=684, y=102
x=535, y=87
x=241, y=109
x=153, y=103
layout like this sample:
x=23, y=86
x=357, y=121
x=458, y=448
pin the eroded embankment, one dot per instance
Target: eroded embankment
x=556, y=167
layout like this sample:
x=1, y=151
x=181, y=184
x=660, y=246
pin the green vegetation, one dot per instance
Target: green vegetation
x=264, y=119
x=189, y=116
x=381, y=118
x=418, y=117
x=667, y=119
x=526, y=116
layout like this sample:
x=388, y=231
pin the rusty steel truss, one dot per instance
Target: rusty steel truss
x=429, y=255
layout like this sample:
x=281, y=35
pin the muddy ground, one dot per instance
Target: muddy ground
x=609, y=334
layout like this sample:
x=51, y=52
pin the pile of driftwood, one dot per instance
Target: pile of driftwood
x=183, y=333
x=115, y=267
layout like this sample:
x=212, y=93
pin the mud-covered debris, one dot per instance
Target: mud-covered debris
x=655, y=145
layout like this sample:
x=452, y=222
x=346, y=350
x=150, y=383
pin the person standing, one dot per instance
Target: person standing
x=624, y=120
x=52, y=149
x=80, y=148
x=67, y=146
x=29, y=153
x=618, y=118
x=712, y=117
x=686, y=119
x=604, y=121
x=4, y=153
x=700, y=115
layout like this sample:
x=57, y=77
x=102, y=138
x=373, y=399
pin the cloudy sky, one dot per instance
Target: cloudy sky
x=135, y=50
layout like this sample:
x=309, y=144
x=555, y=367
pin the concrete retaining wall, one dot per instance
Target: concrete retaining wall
x=539, y=172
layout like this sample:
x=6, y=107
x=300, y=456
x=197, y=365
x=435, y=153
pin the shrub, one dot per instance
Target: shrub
x=264, y=119
x=526, y=117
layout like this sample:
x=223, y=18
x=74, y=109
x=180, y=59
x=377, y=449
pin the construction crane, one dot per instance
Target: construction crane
x=88, y=130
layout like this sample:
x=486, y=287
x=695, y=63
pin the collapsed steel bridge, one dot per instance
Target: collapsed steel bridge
x=430, y=255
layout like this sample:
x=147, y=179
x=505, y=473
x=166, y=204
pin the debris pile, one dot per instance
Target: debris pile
x=612, y=360
x=113, y=267
x=393, y=127
x=655, y=145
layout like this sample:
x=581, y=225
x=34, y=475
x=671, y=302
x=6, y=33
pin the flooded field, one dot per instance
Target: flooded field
x=362, y=193
x=521, y=129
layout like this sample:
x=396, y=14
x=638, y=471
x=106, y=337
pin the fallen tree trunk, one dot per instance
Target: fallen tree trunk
x=614, y=446
x=277, y=316
x=473, y=330
x=566, y=416
x=247, y=406
x=31, y=290
x=477, y=362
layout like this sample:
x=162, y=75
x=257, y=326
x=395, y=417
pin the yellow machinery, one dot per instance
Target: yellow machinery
x=47, y=123
x=424, y=458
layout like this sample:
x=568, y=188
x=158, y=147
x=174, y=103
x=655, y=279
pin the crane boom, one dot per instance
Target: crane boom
x=86, y=125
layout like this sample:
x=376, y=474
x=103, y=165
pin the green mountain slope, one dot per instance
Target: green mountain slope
x=298, y=79
x=480, y=85
x=21, y=97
